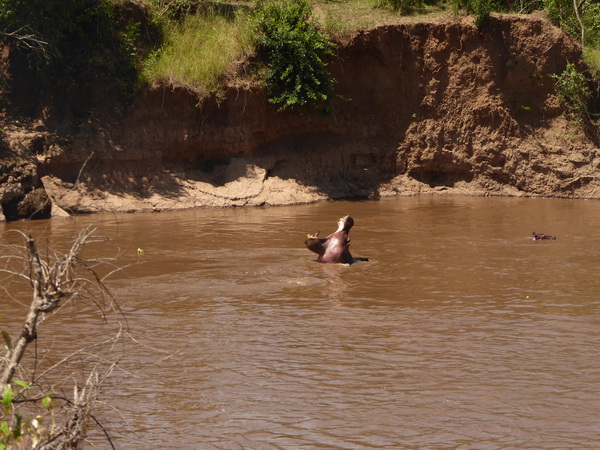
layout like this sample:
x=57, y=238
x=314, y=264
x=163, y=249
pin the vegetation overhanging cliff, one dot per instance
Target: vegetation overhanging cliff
x=424, y=107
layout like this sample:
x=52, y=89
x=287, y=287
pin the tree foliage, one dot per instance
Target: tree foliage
x=573, y=91
x=296, y=54
x=580, y=18
x=66, y=41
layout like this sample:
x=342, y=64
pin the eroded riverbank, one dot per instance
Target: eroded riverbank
x=427, y=108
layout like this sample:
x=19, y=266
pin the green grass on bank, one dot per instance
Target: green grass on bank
x=592, y=57
x=201, y=50
x=204, y=48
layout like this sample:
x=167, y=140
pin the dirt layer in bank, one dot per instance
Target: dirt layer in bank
x=431, y=107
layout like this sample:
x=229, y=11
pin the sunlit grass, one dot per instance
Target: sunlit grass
x=202, y=51
x=341, y=18
x=592, y=57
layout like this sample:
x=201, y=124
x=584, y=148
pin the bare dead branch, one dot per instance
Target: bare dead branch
x=57, y=279
x=76, y=353
x=30, y=41
x=75, y=428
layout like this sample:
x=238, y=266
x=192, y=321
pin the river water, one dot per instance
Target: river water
x=460, y=332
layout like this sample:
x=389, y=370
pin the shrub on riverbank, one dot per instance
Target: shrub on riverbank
x=296, y=54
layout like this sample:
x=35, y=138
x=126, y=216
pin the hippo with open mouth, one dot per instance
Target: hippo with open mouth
x=334, y=248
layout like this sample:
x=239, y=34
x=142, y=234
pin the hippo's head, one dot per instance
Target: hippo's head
x=345, y=223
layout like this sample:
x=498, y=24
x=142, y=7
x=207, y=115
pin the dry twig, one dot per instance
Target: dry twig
x=55, y=280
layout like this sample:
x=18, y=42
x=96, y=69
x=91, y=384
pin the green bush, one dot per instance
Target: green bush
x=562, y=13
x=295, y=52
x=591, y=22
x=573, y=91
x=482, y=10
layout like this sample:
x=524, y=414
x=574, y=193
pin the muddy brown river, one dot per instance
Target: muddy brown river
x=460, y=332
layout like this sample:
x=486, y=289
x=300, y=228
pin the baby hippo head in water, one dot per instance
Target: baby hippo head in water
x=541, y=236
x=334, y=248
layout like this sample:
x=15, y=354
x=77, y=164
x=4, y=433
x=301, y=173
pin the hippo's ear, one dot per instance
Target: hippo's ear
x=315, y=244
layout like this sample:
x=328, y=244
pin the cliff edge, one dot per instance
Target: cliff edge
x=432, y=107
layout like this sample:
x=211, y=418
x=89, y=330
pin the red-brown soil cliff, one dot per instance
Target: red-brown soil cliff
x=426, y=108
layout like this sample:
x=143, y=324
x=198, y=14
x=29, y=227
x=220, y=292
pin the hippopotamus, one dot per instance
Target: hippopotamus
x=541, y=236
x=334, y=248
